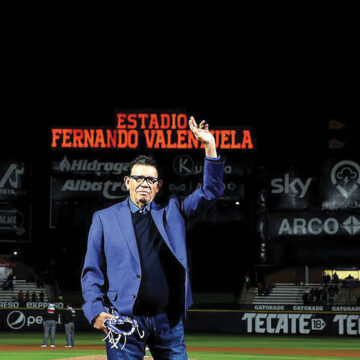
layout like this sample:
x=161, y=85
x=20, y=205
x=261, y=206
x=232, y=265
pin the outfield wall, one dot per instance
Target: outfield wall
x=253, y=319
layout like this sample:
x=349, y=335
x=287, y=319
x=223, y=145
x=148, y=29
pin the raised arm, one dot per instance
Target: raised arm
x=212, y=187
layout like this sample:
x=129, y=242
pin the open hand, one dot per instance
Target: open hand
x=201, y=131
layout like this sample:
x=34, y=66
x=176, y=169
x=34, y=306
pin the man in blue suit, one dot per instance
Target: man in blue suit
x=136, y=260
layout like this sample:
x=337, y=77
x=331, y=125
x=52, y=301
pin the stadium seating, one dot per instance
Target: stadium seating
x=11, y=295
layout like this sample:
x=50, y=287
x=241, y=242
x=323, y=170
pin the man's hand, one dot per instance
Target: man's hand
x=99, y=321
x=203, y=134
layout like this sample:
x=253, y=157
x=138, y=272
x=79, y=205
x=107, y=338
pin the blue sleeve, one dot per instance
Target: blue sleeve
x=211, y=188
x=213, y=158
x=92, y=277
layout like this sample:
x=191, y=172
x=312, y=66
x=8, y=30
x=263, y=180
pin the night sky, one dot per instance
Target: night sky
x=285, y=70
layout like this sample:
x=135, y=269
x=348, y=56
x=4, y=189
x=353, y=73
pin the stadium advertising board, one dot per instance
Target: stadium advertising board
x=333, y=185
x=310, y=202
x=275, y=322
x=339, y=321
x=15, y=204
x=20, y=319
x=85, y=180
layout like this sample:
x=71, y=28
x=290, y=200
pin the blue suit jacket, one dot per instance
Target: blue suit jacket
x=112, y=269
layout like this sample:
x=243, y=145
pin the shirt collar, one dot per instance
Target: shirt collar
x=134, y=208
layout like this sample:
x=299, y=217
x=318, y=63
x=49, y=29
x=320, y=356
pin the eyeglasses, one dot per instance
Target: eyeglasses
x=149, y=179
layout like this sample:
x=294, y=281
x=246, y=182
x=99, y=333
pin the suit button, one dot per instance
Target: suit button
x=134, y=296
x=138, y=276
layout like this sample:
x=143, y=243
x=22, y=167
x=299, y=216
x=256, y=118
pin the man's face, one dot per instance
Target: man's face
x=142, y=193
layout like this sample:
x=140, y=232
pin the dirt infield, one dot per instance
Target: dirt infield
x=244, y=350
x=100, y=357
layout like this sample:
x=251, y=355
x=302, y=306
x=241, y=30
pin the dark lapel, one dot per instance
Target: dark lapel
x=157, y=214
x=123, y=217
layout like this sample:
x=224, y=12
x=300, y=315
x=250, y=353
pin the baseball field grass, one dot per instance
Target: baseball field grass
x=26, y=346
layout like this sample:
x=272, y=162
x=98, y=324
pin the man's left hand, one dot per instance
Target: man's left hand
x=202, y=133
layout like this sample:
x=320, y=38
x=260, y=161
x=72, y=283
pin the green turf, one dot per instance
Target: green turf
x=198, y=356
x=230, y=356
x=34, y=338
x=94, y=338
x=46, y=355
x=273, y=341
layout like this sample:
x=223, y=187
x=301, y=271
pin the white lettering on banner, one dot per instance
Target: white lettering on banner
x=34, y=320
x=42, y=305
x=9, y=304
x=282, y=323
x=94, y=186
x=269, y=307
x=14, y=181
x=259, y=322
x=184, y=165
x=283, y=185
x=98, y=167
x=229, y=186
x=314, y=226
x=345, y=308
x=334, y=205
x=269, y=328
x=16, y=320
x=8, y=219
x=345, y=176
x=318, y=324
x=348, y=324
x=174, y=187
x=307, y=308
x=282, y=326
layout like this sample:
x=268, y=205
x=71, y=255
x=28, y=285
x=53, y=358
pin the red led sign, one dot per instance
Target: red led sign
x=154, y=131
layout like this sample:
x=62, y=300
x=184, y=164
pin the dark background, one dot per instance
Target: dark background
x=284, y=69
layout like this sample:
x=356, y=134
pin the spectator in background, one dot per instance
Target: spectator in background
x=326, y=279
x=27, y=296
x=69, y=321
x=5, y=285
x=20, y=297
x=41, y=282
x=295, y=278
x=10, y=278
x=306, y=298
x=42, y=296
x=49, y=322
x=33, y=296
x=335, y=278
x=324, y=295
x=9, y=282
x=332, y=292
x=333, y=289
